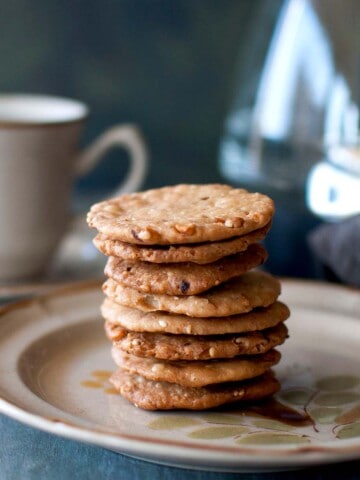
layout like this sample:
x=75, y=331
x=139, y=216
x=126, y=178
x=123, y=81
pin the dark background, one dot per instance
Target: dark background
x=170, y=66
x=167, y=65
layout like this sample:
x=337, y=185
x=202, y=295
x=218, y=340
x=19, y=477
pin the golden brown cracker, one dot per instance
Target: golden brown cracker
x=195, y=347
x=184, y=278
x=151, y=395
x=163, y=322
x=181, y=214
x=202, y=253
x=196, y=373
x=240, y=295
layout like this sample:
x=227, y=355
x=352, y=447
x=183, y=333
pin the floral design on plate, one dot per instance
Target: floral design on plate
x=328, y=410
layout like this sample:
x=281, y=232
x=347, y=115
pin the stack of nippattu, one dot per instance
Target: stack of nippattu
x=192, y=321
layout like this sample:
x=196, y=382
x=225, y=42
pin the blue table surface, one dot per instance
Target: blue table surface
x=28, y=453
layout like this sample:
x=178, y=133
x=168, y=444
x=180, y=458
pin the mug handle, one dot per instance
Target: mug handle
x=125, y=136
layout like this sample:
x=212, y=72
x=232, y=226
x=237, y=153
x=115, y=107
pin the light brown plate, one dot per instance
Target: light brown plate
x=55, y=359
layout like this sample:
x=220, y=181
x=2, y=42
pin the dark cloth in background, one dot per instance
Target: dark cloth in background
x=337, y=247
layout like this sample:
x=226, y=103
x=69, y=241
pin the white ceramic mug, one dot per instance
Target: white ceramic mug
x=39, y=160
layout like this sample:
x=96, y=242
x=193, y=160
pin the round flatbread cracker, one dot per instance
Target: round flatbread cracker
x=183, y=278
x=201, y=253
x=161, y=322
x=151, y=395
x=240, y=295
x=194, y=347
x=196, y=373
x=181, y=214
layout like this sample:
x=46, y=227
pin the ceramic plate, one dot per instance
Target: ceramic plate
x=55, y=363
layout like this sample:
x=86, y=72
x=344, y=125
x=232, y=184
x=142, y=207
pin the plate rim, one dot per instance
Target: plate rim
x=299, y=455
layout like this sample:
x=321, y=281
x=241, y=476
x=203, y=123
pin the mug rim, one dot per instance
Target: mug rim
x=77, y=110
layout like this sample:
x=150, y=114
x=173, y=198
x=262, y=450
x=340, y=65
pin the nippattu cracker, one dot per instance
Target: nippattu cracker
x=201, y=253
x=181, y=214
x=240, y=295
x=151, y=395
x=195, y=347
x=162, y=322
x=196, y=373
x=184, y=278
